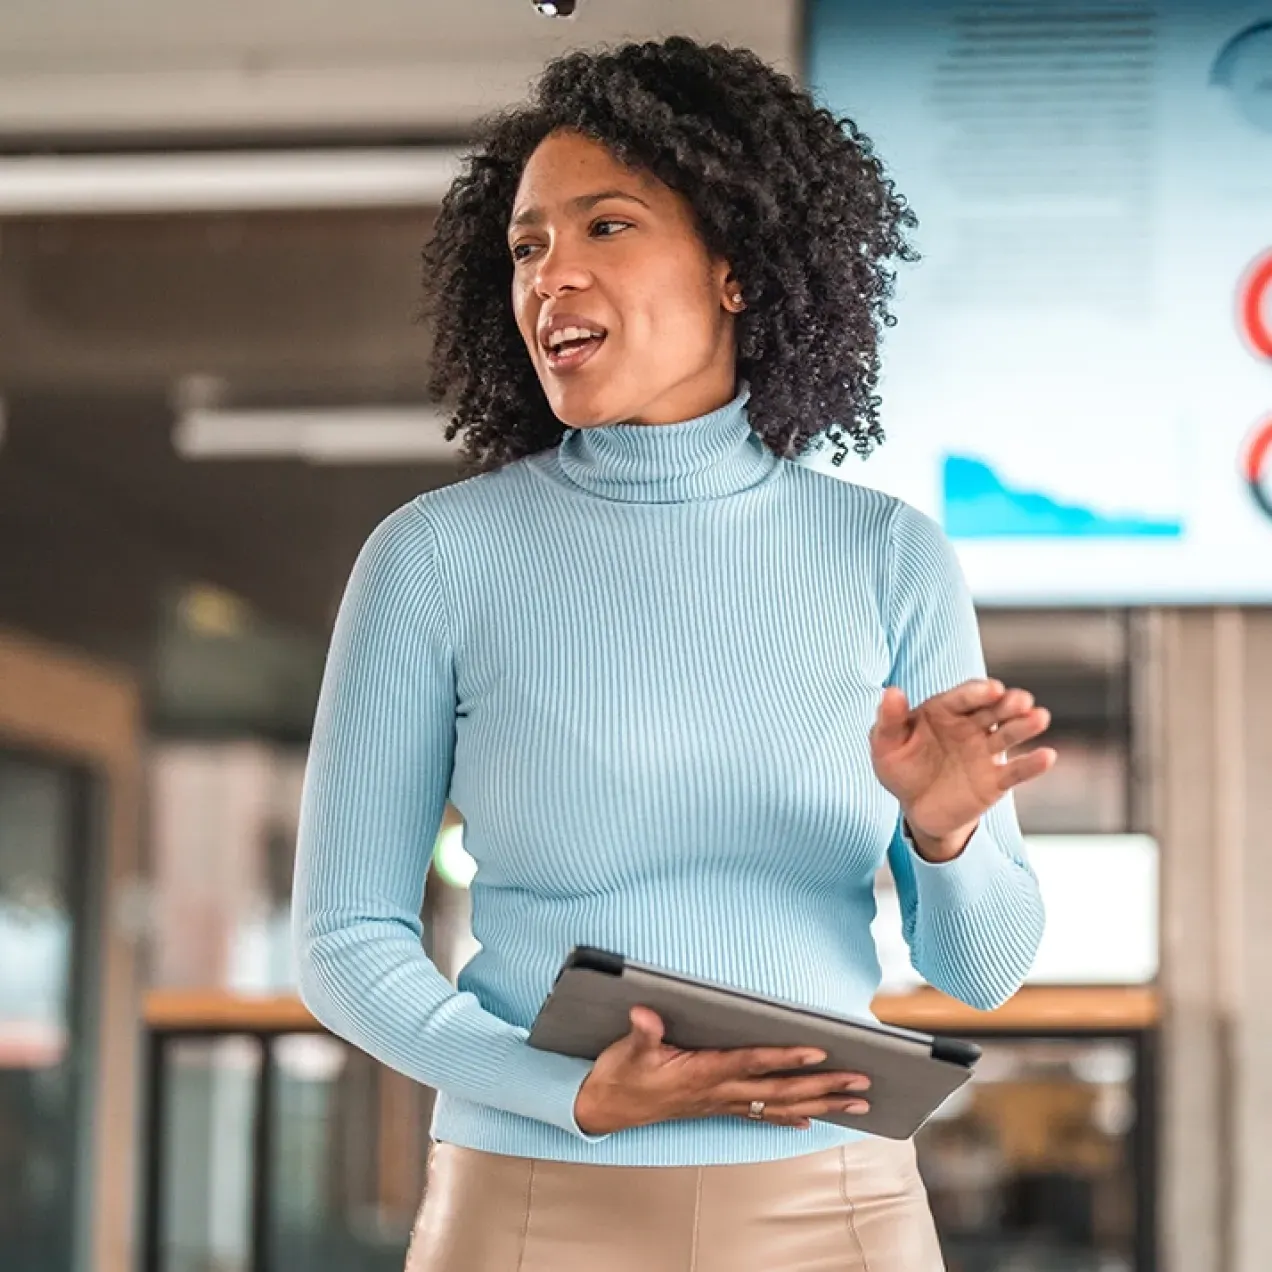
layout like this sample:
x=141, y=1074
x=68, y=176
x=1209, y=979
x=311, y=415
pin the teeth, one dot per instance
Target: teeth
x=559, y=337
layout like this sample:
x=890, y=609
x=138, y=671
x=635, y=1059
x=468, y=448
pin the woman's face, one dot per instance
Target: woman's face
x=611, y=258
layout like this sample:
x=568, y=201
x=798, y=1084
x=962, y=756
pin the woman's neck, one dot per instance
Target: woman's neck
x=706, y=457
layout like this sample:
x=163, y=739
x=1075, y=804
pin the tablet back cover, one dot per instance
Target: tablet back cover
x=587, y=1010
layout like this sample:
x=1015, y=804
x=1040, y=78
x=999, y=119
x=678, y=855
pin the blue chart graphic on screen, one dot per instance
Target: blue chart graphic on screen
x=980, y=505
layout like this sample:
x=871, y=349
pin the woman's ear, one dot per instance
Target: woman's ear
x=734, y=301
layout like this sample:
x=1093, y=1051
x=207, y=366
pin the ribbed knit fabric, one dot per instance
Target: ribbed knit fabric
x=643, y=666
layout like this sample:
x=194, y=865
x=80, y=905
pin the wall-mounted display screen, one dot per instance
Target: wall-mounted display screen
x=1079, y=387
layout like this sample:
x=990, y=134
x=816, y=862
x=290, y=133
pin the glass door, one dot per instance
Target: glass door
x=43, y=909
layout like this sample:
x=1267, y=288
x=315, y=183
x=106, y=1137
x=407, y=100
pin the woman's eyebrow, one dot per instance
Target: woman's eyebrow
x=580, y=203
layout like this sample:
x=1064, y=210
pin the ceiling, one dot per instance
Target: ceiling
x=136, y=69
x=275, y=302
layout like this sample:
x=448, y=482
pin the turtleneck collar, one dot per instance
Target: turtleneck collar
x=704, y=458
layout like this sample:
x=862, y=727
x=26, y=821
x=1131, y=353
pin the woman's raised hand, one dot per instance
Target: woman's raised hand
x=640, y=1079
x=946, y=759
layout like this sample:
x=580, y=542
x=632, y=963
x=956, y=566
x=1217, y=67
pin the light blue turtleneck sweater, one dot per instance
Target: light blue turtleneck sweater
x=643, y=665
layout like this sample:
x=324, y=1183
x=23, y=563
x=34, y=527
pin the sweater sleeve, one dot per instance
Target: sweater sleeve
x=375, y=790
x=973, y=925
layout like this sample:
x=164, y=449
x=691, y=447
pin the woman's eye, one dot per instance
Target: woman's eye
x=605, y=228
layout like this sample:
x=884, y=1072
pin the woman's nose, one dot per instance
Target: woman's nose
x=560, y=270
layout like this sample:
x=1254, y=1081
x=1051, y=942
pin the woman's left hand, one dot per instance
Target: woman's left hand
x=945, y=760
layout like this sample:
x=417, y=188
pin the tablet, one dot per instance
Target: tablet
x=911, y=1073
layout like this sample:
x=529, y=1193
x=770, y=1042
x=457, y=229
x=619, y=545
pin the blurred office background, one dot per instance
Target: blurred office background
x=212, y=389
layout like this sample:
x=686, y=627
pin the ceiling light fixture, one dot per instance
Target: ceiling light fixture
x=316, y=435
x=60, y=185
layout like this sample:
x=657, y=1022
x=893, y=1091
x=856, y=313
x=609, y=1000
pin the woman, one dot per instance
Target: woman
x=686, y=693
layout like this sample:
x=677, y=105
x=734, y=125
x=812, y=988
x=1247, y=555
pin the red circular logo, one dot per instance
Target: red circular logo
x=1256, y=465
x=1254, y=306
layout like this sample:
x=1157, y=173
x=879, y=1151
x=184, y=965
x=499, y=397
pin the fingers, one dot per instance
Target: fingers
x=759, y=1062
x=987, y=703
x=1019, y=730
x=1008, y=705
x=794, y=1101
x=800, y=1113
x=973, y=695
x=786, y=1091
x=893, y=722
x=647, y=1029
x=1024, y=768
x=1012, y=720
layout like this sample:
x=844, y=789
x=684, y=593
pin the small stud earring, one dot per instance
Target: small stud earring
x=736, y=299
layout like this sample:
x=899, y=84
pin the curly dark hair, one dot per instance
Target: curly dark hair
x=792, y=197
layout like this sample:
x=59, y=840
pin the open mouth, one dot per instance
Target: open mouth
x=570, y=347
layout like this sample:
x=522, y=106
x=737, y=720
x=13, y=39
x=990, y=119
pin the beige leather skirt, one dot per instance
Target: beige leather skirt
x=861, y=1208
